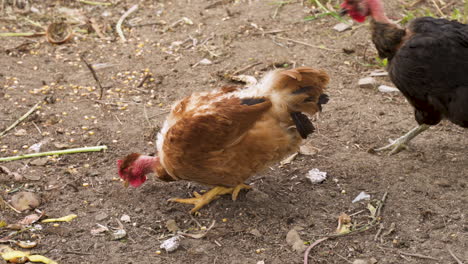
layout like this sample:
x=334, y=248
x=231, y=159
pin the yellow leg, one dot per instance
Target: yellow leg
x=201, y=200
x=237, y=189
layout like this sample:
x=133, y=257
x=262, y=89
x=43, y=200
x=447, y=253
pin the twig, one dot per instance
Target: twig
x=20, y=119
x=14, y=234
x=76, y=252
x=57, y=152
x=417, y=255
x=145, y=113
x=144, y=80
x=305, y=43
x=269, y=32
x=9, y=205
x=454, y=256
x=38, y=129
x=93, y=72
x=245, y=68
x=94, y=3
x=118, y=27
x=438, y=9
x=306, y=254
x=22, y=34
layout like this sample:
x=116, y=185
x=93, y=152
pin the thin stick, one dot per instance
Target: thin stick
x=7, y=204
x=306, y=254
x=93, y=72
x=438, y=9
x=20, y=119
x=454, y=256
x=118, y=27
x=417, y=255
x=56, y=152
x=147, y=76
x=38, y=129
x=94, y=3
x=22, y=34
x=304, y=43
x=246, y=68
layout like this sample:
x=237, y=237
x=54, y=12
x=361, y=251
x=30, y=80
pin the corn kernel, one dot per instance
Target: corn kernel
x=158, y=252
x=85, y=184
x=56, y=225
x=91, y=133
x=224, y=220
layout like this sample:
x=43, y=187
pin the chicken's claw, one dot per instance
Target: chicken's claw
x=401, y=143
x=201, y=200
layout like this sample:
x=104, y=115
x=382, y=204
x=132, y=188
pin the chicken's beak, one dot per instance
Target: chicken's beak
x=343, y=12
x=126, y=184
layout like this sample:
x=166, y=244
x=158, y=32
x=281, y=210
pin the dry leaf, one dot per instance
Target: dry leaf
x=67, y=218
x=30, y=219
x=344, y=224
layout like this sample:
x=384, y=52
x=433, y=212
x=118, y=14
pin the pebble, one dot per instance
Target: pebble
x=21, y=132
x=387, y=89
x=378, y=73
x=367, y=83
x=255, y=232
x=39, y=162
x=101, y=216
x=138, y=210
x=442, y=183
x=125, y=218
x=340, y=27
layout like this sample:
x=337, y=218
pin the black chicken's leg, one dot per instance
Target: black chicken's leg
x=400, y=143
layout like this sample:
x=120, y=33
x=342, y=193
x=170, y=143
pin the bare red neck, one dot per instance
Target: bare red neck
x=377, y=11
x=147, y=163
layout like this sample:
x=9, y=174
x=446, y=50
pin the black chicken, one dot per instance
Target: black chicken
x=428, y=62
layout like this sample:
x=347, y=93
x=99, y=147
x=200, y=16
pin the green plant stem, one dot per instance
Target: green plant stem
x=20, y=119
x=57, y=152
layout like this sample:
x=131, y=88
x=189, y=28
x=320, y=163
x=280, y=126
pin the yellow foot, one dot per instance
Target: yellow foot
x=201, y=200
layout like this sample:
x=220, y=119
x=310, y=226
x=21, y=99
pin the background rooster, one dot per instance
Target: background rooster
x=428, y=62
x=221, y=138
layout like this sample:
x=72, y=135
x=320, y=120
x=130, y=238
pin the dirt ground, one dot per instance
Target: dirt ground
x=427, y=201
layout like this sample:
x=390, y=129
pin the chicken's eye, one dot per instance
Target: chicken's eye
x=309, y=99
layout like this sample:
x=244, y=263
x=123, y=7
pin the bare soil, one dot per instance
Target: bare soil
x=427, y=185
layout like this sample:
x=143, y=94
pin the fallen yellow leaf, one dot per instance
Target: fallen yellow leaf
x=16, y=256
x=67, y=218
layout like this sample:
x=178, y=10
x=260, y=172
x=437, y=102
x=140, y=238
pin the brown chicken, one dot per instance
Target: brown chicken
x=223, y=137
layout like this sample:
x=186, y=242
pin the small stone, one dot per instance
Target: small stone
x=340, y=27
x=442, y=183
x=21, y=132
x=367, y=83
x=58, y=145
x=171, y=225
x=316, y=176
x=118, y=234
x=171, y=244
x=387, y=89
x=205, y=62
x=39, y=162
x=255, y=232
x=101, y=216
x=33, y=177
x=25, y=200
x=378, y=73
x=138, y=210
x=125, y=218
